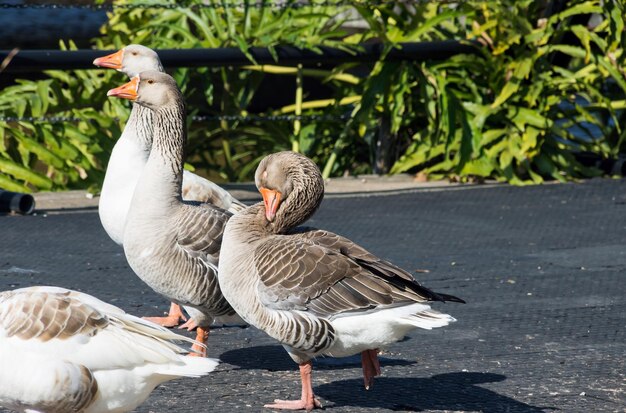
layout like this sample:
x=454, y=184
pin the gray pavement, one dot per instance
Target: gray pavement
x=543, y=270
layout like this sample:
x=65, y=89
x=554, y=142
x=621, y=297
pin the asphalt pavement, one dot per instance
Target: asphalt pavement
x=542, y=268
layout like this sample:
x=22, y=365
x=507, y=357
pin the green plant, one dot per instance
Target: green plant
x=231, y=147
x=36, y=153
x=542, y=87
x=508, y=113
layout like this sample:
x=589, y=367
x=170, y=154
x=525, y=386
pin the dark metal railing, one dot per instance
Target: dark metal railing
x=24, y=61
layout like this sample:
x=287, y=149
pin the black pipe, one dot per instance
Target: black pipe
x=38, y=60
x=16, y=202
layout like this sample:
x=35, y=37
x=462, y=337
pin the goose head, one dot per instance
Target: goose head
x=151, y=89
x=292, y=188
x=131, y=60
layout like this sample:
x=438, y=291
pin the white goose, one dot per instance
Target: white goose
x=66, y=351
x=316, y=292
x=171, y=244
x=129, y=157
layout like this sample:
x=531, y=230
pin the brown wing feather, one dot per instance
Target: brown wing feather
x=327, y=274
x=44, y=316
x=405, y=284
x=200, y=229
x=199, y=235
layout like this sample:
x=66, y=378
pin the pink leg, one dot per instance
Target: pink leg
x=202, y=335
x=371, y=367
x=172, y=319
x=190, y=325
x=308, y=401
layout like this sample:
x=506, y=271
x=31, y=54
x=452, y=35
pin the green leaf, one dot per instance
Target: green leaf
x=20, y=172
x=505, y=160
x=583, y=35
x=522, y=116
x=41, y=151
x=426, y=26
x=573, y=51
x=478, y=167
x=617, y=24
x=8, y=184
x=520, y=70
x=588, y=7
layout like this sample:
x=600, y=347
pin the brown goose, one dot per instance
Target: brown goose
x=130, y=154
x=171, y=244
x=314, y=291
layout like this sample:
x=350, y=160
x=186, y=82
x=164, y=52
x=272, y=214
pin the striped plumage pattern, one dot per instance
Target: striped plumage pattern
x=171, y=244
x=43, y=316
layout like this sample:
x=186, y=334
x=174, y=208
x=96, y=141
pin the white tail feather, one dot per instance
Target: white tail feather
x=378, y=328
x=429, y=319
x=192, y=367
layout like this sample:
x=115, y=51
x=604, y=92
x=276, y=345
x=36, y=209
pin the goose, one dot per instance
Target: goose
x=171, y=244
x=67, y=351
x=316, y=292
x=129, y=157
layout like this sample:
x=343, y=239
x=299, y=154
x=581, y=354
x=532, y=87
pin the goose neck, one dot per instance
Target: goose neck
x=250, y=225
x=170, y=134
x=299, y=205
x=163, y=175
x=139, y=127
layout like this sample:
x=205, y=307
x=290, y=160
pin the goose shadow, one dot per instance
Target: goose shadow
x=448, y=392
x=275, y=358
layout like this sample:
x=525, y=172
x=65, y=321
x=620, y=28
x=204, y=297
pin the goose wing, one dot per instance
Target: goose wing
x=54, y=343
x=328, y=274
x=80, y=328
x=197, y=188
x=44, y=315
x=199, y=230
x=34, y=325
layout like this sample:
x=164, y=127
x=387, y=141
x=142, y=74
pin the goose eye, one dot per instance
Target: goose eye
x=134, y=53
x=150, y=81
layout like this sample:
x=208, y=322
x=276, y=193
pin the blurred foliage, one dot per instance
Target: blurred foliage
x=233, y=149
x=545, y=84
x=36, y=154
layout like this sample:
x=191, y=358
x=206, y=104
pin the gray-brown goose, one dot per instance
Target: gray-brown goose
x=316, y=292
x=65, y=351
x=129, y=157
x=171, y=244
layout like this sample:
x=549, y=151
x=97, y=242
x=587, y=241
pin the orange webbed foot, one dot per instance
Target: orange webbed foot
x=175, y=315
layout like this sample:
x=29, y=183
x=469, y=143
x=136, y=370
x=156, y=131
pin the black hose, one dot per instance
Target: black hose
x=16, y=202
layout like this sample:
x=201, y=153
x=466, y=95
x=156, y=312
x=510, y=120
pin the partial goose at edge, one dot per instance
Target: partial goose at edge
x=63, y=350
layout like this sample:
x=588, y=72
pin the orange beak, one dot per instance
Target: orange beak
x=127, y=90
x=113, y=61
x=271, y=199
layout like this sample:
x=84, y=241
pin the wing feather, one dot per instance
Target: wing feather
x=197, y=188
x=328, y=274
x=200, y=229
x=44, y=316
